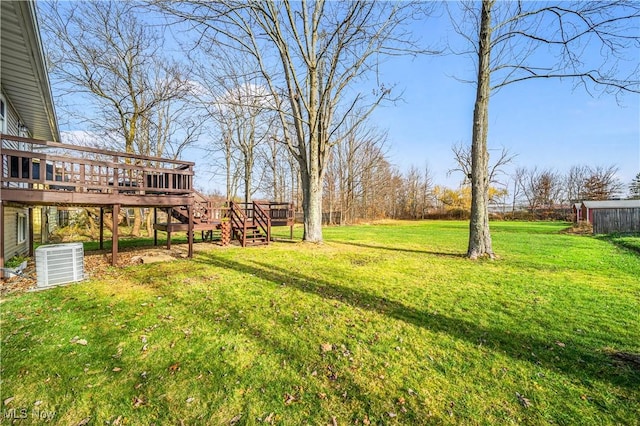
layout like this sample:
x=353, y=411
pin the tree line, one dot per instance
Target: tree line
x=289, y=86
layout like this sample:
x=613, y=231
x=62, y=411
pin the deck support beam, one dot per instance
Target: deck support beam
x=169, y=228
x=1, y=238
x=101, y=228
x=30, y=219
x=190, y=230
x=114, y=236
x=155, y=222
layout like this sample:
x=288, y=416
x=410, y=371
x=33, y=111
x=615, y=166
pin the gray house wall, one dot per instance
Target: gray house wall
x=10, y=228
x=11, y=245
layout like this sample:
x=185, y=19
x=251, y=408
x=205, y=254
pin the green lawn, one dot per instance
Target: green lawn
x=382, y=324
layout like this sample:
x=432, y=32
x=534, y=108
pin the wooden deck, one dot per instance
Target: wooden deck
x=36, y=173
x=51, y=173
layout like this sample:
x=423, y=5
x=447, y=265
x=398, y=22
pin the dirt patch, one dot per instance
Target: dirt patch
x=96, y=263
x=582, y=228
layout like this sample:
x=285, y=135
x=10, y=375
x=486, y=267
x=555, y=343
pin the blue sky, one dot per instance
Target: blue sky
x=546, y=122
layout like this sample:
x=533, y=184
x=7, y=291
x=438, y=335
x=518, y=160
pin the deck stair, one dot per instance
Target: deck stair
x=203, y=211
x=250, y=223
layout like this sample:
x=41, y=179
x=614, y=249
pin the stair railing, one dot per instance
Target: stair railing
x=262, y=220
x=238, y=222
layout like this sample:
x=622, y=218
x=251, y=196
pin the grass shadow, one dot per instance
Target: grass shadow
x=620, y=241
x=576, y=361
x=399, y=249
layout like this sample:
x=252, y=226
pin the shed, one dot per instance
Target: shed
x=610, y=216
x=577, y=212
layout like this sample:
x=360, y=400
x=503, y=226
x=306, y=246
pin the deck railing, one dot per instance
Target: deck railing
x=32, y=164
x=262, y=221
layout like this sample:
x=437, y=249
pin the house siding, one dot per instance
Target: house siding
x=12, y=121
x=10, y=225
x=11, y=246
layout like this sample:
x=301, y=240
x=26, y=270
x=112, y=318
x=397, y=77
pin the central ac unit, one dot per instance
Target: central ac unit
x=59, y=264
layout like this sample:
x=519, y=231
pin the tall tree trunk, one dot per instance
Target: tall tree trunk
x=149, y=223
x=137, y=222
x=312, y=207
x=479, y=234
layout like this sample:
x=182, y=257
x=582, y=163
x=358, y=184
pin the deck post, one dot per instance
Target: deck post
x=30, y=210
x=155, y=222
x=169, y=228
x=190, y=229
x=101, y=228
x=1, y=238
x=293, y=220
x=114, y=236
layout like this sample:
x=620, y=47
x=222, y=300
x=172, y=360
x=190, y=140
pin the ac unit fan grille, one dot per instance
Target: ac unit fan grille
x=59, y=264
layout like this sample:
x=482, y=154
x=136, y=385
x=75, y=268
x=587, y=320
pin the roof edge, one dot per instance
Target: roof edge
x=29, y=13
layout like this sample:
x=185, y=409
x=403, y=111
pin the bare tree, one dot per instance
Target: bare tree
x=274, y=159
x=601, y=183
x=359, y=153
x=321, y=49
x=427, y=190
x=517, y=177
x=542, y=188
x=513, y=42
x=103, y=51
x=463, y=158
x=575, y=180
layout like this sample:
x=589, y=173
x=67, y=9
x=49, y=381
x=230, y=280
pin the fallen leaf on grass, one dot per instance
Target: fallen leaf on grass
x=326, y=347
x=77, y=340
x=174, y=367
x=334, y=422
x=562, y=345
x=268, y=419
x=83, y=421
x=116, y=369
x=523, y=401
x=8, y=400
x=138, y=402
x=190, y=400
x=289, y=399
x=235, y=420
x=392, y=415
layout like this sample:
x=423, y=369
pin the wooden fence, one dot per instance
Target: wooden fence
x=609, y=221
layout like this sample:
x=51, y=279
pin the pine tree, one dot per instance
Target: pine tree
x=634, y=188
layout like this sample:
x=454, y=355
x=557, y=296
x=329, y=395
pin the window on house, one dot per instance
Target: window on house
x=22, y=228
x=3, y=115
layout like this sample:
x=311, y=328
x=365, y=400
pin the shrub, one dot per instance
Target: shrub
x=14, y=262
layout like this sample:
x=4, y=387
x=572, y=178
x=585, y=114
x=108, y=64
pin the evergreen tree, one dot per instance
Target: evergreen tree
x=634, y=188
